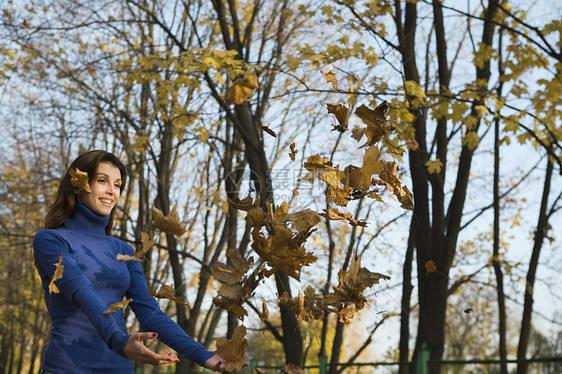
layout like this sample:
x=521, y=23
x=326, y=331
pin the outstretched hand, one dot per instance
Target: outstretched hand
x=217, y=363
x=136, y=350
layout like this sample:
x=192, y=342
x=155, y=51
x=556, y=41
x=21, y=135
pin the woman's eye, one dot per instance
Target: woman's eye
x=101, y=180
x=118, y=186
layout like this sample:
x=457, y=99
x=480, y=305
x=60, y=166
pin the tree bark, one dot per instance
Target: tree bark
x=540, y=233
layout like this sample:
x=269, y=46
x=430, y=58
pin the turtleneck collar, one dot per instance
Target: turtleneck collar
x=84, y=219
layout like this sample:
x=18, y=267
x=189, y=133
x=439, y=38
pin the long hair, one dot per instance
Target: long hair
x=65, y=198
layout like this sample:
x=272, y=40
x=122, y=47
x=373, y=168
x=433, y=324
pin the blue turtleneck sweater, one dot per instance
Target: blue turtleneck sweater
x=83, y=339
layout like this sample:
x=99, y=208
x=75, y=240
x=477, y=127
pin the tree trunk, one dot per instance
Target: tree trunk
x=403, y=347
x=540, y=233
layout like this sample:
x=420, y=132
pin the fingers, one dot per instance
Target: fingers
x=135, y=350
x=146, y=335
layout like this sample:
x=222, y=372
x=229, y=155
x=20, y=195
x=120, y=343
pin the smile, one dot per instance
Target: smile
x=106, y=201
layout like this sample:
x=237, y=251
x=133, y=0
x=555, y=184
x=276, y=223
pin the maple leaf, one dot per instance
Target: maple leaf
x=370, y=164
x=56, y=276
x=353, y=282
x=117, y=306
x=430, y=267
x=147, y=243
x=235, y=287
x=322, y=168
x=338, y=196
x=246, y=204
x=341, y=112
x=434, y=166
x=170, y=224
x=335, y=215
x=345, y=315
x=389, y=179
x=330, y=78
x=233, y=350
x=167, y=292
x=80, y=180
x=293, y=151
x=375, y=119
x=242, y=89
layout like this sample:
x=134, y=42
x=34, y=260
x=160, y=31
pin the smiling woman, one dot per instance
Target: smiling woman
x=76, y=257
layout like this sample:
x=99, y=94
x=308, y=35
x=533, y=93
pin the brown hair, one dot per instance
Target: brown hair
x=65, y=199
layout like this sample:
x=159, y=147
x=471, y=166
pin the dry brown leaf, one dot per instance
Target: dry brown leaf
x=389, y=179
x=269, y=131
x=233, y=350
x=170, y=224
x=375, y=119
x=80, y=180
x=167, y=292
x=264, y=315
x=117, y=306
x=56, y=276
x=335, y=214
x=293, y=151
x=242, y=89
x=341, y=112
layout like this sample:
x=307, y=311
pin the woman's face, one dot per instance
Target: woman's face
x=106, y=189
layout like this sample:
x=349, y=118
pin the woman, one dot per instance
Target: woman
x=84, y=339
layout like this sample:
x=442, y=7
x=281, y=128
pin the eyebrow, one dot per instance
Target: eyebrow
x=107, y=176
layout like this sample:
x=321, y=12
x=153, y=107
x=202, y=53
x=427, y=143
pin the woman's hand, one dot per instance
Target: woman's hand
x=136, y=350
x=217, y=363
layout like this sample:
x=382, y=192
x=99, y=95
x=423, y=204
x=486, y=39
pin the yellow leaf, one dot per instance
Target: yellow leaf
x=170, y=224
x=121, y=257
x=80, y=180
x=330, y=78
x=117, y=306
x=335, y=214
x=233, y=350
x=104, y=47
x=56, y=276
x=434, y=166
x=242, y=89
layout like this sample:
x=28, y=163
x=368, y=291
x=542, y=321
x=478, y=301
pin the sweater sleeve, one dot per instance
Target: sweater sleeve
x=76, y=287
x=153, y=319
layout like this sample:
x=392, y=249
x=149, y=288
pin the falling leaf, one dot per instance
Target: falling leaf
x=345, y=315
x=121, y=257
x=341, y=112
x=235, y=287
x=371, y=165
x=246, y=204
x=79, y=179
x=167, y=292
x=335, y=214
x=117, y=306
x=26, y=23
x=264, y=315
x=233, y=350
x=468, y=310
x=389, y=179
x=170, y=224
x=353, y=282
x=242, y=89
x=269, y=131
x=56, y=276
x=430, y=267
x=293, y=152
x=147, y=243
x=104, y=47
x=330, y=78
x=375, y=119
